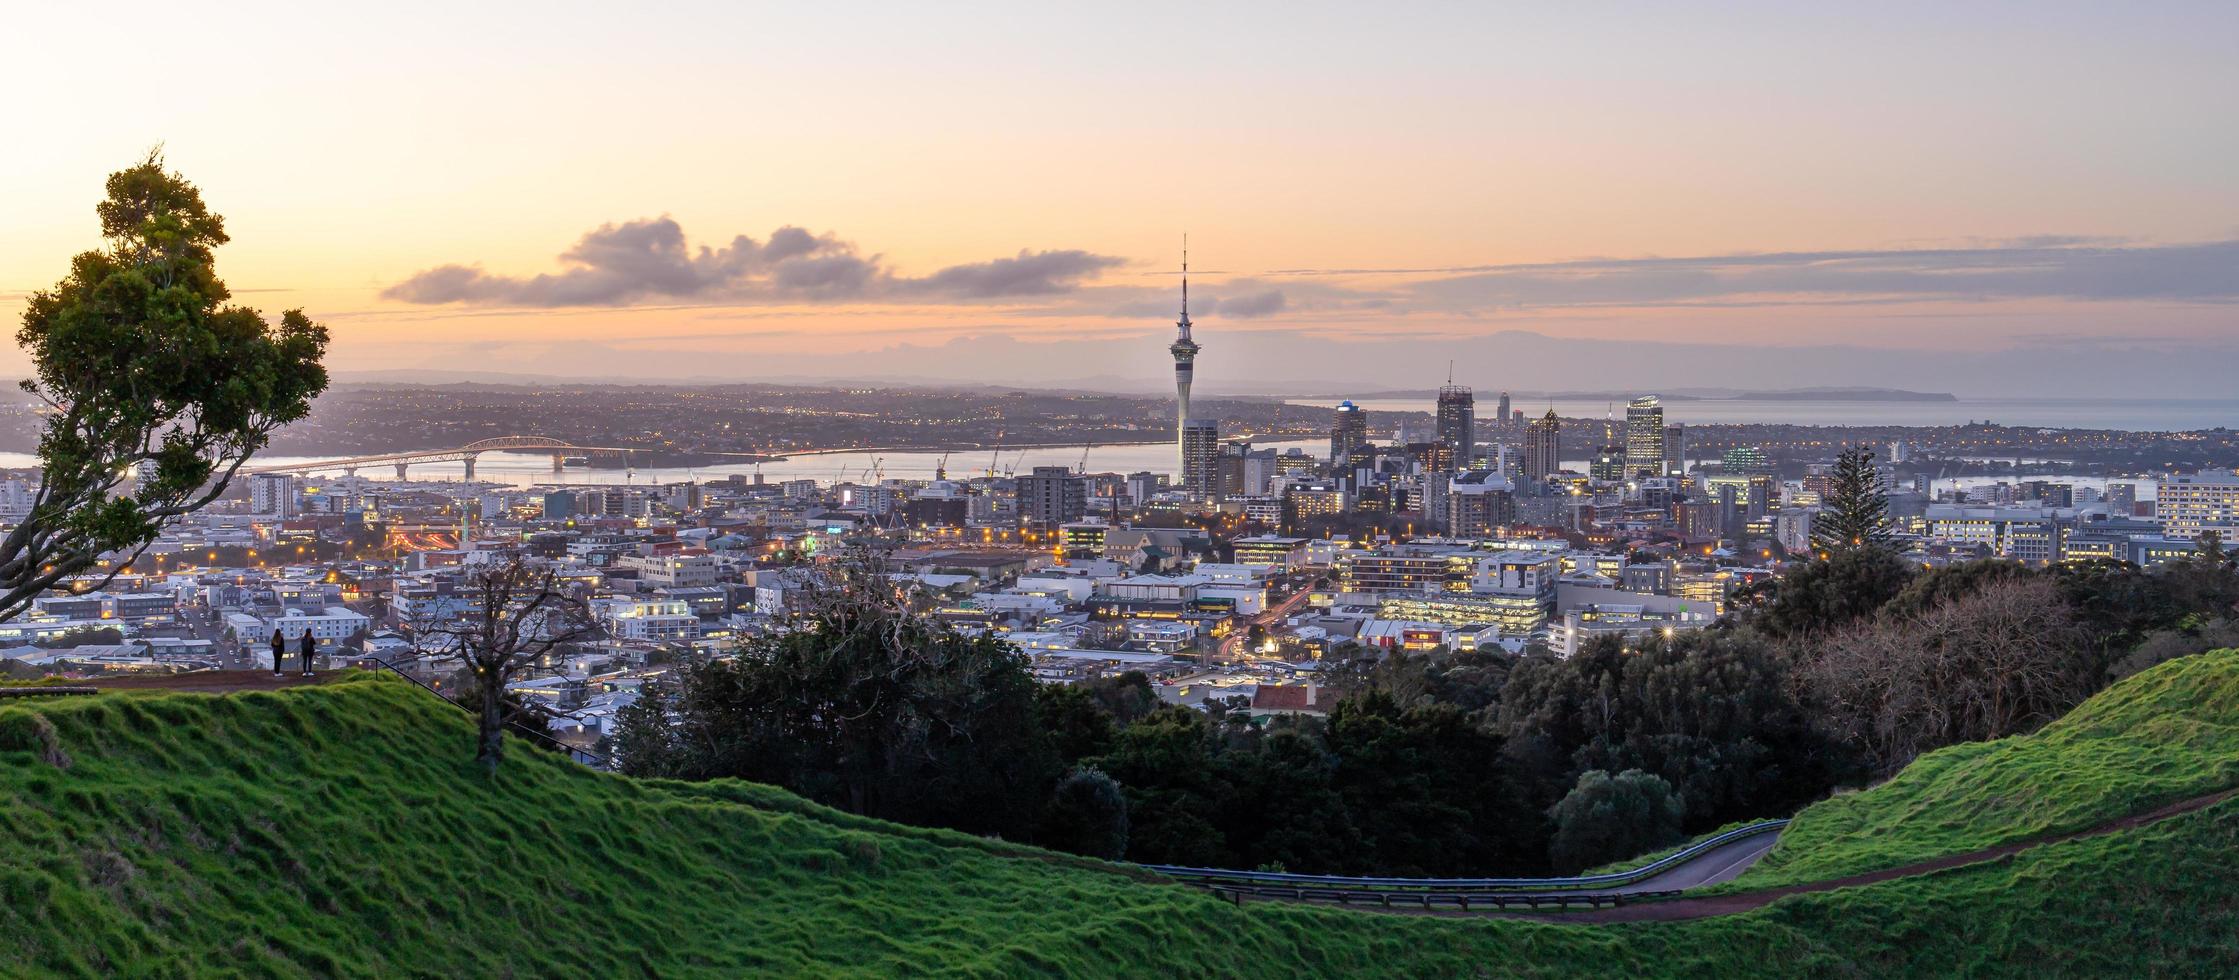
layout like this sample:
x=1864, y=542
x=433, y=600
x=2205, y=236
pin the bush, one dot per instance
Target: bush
x=1609, y=818
x=1087, y=815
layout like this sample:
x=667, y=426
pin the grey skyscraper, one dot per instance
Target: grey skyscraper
x=1644, y=437
x=1502, y=418
x=1457, y=422
x=1201, y=449
x=1185, y=356
x=1675, y=450
x=1348, y=433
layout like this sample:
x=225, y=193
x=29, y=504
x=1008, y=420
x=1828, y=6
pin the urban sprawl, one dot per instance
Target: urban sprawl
x=1240, y=575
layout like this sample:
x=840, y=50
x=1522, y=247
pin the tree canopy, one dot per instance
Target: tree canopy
x=155, y=389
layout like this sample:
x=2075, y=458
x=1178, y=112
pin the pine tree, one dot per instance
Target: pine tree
x=1854, y=513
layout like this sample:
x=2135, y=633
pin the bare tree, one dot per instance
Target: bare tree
x=1998, y=661
x=518, y=615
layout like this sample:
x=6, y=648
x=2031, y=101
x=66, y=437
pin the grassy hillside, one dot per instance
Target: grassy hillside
x=342, y=830
x=2166, y=734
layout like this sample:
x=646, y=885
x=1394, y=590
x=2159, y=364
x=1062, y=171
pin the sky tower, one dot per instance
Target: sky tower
x=1185, y=352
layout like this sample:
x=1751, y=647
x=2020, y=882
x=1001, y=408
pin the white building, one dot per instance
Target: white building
x=328, y=629
x=650, y=620
x=272, y=493
x=2190, y=505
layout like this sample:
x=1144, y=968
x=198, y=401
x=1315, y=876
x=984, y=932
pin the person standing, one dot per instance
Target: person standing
x=279, y=650
x=307, y=648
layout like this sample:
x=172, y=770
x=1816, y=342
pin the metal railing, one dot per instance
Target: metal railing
x=583, y=756
x=1285, y=884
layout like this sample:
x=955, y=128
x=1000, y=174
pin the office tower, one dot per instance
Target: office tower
x=1457, y=421
x=1764, y=492
x=2197, y=503
x=1745, y=460
x=1503, y=417
x=1644, y=437
x=1348, y=433
x=559, y=505
x=1185, y=358
x=1608, y=465
x=1052, y=495
x=1201, y=449
x=1731, y=508
x=1543, y=449
x=1675, y=450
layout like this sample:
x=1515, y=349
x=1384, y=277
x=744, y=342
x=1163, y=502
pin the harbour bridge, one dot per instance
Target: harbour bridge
x=467, y=454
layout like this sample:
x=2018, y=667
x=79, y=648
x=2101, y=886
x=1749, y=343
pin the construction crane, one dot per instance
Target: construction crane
x=940, y=469
x=997, y=456
x=1083, y=468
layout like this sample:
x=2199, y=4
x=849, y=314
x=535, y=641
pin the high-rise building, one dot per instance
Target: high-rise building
x=1608, y=465
x=1201, y=450
x=1644, y=437
x=1675, y=450
x=1228, y=467
x=1052, y=495
x=1457, y=421
x=1478, y=503
x=1502, y=418
x=559, y=505
x=1348, y=433
x=272, y=493
x=1184, y=350
x=1543, y=446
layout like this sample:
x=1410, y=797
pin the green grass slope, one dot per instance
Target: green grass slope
x=2166, y=734
x=342, y=830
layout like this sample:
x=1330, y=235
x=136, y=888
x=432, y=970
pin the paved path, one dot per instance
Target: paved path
x=1718, y=864
x=1709, y=905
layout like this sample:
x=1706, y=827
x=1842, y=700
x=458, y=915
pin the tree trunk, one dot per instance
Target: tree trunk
x=491, y=747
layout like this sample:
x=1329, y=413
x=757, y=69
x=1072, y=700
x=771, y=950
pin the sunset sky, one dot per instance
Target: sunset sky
x=1987, y=198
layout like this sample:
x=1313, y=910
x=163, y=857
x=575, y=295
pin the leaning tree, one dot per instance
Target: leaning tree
x=154, y=390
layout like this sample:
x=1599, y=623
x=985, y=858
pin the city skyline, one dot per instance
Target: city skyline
x=1988, y=201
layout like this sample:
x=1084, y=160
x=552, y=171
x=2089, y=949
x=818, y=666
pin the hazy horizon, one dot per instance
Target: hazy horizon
x=1994, y=200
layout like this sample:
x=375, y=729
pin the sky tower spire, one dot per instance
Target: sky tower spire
x=1184, y=323
x=1184, y=350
